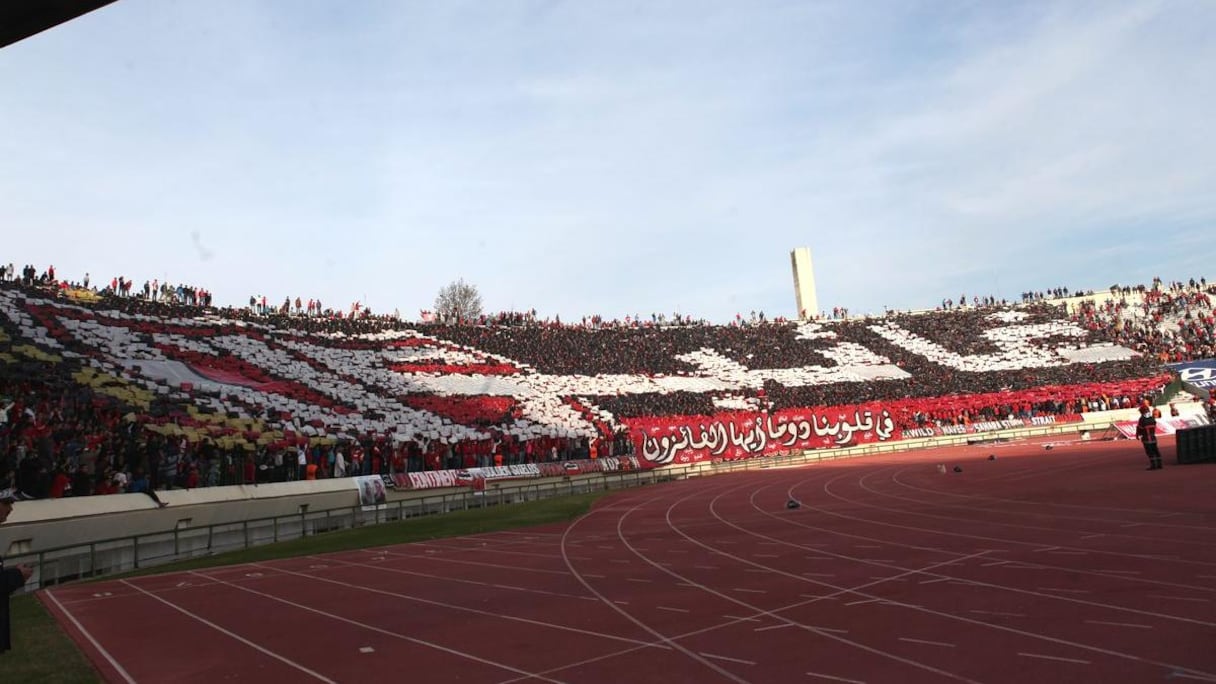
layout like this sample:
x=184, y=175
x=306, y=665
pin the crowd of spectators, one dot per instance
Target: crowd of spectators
x=1166, y=323
x=59, y=438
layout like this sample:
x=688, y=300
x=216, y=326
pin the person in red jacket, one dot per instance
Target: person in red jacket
x=11, y=579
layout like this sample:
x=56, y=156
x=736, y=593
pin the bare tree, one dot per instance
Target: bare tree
x=458, y=302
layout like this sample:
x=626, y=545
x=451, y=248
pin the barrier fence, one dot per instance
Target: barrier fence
x=96, y=558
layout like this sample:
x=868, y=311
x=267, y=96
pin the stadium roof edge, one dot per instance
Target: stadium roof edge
x=20, y=19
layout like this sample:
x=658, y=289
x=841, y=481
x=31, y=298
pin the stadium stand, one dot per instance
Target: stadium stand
x=125, y=388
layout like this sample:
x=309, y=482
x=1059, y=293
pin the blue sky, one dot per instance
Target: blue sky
x=614, y=157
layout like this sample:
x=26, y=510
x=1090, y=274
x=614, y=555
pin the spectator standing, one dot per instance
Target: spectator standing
x=11, y=579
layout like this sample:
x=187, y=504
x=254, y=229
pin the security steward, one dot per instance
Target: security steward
x=1146, y=432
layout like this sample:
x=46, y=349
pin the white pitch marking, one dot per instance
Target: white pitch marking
x=924, y=641
x=367, y=649
x=1119, y=624
x=182, y=584
x=253, y=574
x=729, y=659
x=835, y=679
x=1047, y=657
x=674, y=610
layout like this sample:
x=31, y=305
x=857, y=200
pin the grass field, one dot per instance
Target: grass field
x=42, y=652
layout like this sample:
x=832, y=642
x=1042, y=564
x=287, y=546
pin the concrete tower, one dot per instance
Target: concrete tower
x=804, y=283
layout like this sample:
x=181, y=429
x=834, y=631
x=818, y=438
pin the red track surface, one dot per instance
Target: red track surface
x=1066, y=565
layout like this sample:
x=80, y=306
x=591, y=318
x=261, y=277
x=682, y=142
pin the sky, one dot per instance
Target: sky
x=614, y=157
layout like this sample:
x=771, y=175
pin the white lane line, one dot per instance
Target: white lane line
x=1065, y=591
x=1062, y=660
x=674, y=610
x=925, y=641
x=1212, y=577
x=993, y=563
x=367, y=649
x=728, y=659
x=783, y=625
x=936, y=580
x=993, y=612
x=834, y=679
x=587, y=574
x=818, y=574
x=637, y=579
x=767, y=555
x=619, y=560
x=862, y=601
x=1119, y=624
x=1179, y=598
x=1069, y=553
x=741, y=619
x=751, y=591
x=1120, y=572
x=763, y=571
x=100, y=649
x=1091, y=536
x=1187, y=675
x=234, y=635
x=705, y=567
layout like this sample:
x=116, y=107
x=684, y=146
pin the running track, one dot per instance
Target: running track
x=1072, y=564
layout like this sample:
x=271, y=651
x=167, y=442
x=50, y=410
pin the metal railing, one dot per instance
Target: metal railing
x=126, y=553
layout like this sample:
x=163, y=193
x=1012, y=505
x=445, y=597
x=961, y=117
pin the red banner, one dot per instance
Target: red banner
x=731, y=436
